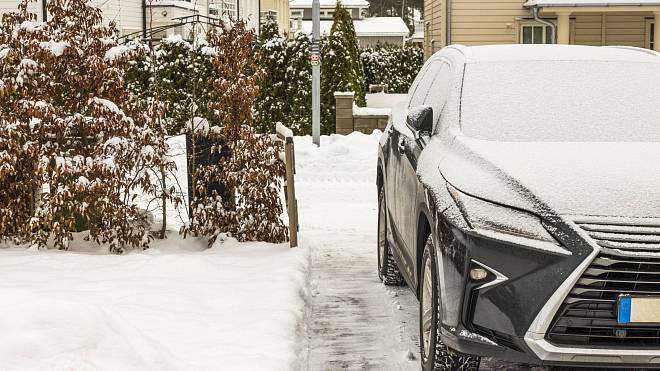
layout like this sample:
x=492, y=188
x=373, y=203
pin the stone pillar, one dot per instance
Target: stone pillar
x=656, y=32
x=563, y=28
x=344, y=112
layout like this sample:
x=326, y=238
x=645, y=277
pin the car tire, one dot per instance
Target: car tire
x=388, y=271
x=435, y=355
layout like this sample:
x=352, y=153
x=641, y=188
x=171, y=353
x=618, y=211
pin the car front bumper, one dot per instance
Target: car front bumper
x=510, y=320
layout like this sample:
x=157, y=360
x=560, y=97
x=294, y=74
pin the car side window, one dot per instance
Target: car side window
x=424, y=85
x=439, y=90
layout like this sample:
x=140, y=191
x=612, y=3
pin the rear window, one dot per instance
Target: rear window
x=566, y=101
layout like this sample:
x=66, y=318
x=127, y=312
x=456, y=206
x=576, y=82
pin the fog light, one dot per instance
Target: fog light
x=478, y=274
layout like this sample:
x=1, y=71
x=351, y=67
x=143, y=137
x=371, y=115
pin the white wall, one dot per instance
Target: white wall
x=248, y=10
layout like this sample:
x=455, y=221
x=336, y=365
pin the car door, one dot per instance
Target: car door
x=408, y=183
x=401, y=136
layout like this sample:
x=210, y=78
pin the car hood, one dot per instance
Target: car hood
x=571, y=178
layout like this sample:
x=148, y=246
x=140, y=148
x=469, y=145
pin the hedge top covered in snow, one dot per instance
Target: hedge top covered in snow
x=374, y=26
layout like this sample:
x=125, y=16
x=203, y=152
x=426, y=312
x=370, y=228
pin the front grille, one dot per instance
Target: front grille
x=629, y=263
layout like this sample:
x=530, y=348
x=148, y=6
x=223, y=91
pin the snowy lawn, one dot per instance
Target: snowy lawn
x=179, y=305
x=176, y=306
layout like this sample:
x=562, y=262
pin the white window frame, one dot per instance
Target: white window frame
x=649, y=36
x=527, y=24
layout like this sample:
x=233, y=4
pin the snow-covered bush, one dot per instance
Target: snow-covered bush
x=341, y=57
x=69, y=126
x=180, y=73
x=392, y=65
x=286, y=89
x=272, y=102
x=248, y=165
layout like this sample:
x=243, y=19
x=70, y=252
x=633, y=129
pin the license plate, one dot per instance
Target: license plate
x=639, y=309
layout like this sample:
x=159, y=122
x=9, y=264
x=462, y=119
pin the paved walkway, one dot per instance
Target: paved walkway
x=354, y=322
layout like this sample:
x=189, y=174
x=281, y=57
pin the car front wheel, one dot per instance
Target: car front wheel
x=436, y=356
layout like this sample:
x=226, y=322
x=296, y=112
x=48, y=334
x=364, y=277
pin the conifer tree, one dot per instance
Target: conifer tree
x=299, y=85
x=271, y=104
x=341, y=60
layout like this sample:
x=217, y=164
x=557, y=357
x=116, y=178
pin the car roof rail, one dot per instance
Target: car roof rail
x=465, y=50
x=634, y=48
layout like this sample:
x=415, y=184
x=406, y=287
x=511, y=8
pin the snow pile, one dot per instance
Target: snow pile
x=173, y=307
x=55, y=47
x=369, y=111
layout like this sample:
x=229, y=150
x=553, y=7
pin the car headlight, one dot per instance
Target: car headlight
x=504, y=223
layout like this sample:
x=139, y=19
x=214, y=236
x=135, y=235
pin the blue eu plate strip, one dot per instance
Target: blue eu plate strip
x=624, y=309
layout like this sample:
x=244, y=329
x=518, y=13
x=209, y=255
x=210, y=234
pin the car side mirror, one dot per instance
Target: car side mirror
x=420, y=121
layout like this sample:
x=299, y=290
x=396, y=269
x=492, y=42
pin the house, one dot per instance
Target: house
x=135, y=18
x=248, y=10
x=277, y=10
x=581, y=22
x=369, y=31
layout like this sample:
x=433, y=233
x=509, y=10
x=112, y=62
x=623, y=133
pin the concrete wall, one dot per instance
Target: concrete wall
x=347, y=122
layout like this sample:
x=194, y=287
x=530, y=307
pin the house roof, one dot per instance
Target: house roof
x=520, y=52
x=375, y=26
x=329, y=3
x=576, y=3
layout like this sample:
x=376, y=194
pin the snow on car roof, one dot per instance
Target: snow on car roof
x=549, y=52
x=375, y=26
x=542, y=3
x=329, y=4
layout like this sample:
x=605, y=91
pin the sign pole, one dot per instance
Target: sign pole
x=316, y=72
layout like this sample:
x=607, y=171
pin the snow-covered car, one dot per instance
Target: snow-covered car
x=519, y=198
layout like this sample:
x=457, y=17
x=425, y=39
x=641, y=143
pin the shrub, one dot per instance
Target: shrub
x=249, y=167
x=68, y=122
x=392, y=65
x=341, y=57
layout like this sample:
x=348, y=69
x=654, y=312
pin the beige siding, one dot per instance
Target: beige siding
x=611, y=29
x=478, y=22
x=481, y=22
x=434, y=30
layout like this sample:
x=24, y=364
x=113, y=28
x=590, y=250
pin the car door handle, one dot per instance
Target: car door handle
x=402, y=146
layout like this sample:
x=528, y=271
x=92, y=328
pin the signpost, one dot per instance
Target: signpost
x=316, y=72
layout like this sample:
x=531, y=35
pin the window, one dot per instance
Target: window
x=296, y=13
x=615, y=101
x=650, y=37
x=535, y=34
x=439, y=92
x=423, y=84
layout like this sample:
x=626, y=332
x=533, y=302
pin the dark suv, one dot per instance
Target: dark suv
x=519, y=198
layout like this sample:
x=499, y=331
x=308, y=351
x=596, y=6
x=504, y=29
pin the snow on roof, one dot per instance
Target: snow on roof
x=329, y=3
x=573, y=3
x=376, y=26
x=520, y=52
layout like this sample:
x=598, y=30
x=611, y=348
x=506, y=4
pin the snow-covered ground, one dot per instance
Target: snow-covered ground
x=354, y=321
x=235, y=306
x=176, y=306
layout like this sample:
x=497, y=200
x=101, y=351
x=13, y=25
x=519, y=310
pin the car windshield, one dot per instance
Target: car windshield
x=562, y=101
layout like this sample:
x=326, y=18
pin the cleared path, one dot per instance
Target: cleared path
x=354, y=321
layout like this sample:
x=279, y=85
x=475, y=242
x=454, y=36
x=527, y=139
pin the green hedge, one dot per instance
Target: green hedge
x=392, y=65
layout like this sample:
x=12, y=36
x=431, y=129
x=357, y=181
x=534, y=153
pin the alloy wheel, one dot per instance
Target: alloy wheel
x=427, y=308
